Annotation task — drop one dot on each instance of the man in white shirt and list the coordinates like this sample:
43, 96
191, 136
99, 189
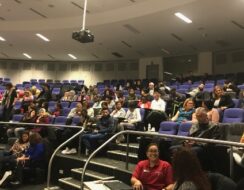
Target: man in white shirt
118, 112
157, 114
132, 117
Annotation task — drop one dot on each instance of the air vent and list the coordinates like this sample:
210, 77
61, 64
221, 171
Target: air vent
134, 66
131, 29
78, 6
176, 37
50, 56
27, 66
63, 67
74, 67
14, 66
51, 5
1, 18
18, 1
86, 66
116, 54
3, 66
126, 44
140, 53
238, 57
51, 67
109, 67
122, 66
39, 66
4, 54
94, 55
237, 24
98, 67
38, 13
221, 59
222, 43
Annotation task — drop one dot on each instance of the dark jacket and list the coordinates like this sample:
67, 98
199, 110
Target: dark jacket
226, 101
105, 125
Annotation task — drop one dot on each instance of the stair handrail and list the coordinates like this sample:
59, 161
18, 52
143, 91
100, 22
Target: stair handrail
57, 149
154, 134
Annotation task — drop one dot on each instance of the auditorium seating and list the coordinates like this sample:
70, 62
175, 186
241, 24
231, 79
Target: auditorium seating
233, 115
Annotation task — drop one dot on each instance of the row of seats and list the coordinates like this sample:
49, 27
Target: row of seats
60, 120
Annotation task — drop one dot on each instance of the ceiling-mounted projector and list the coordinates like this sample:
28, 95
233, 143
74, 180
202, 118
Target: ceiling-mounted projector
83, 36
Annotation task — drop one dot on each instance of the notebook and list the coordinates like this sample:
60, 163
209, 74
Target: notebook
117, 185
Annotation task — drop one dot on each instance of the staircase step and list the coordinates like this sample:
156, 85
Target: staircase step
90, 175
133, 147
69, 183
53, 188
121, 155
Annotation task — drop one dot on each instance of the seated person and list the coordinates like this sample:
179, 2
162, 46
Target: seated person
118, 112
43, 118
213, 114
104, 126
32, 158
144, 103
185, 113
157, 113
69, 132
238, 153
189, 177
132, 117
202, 129
153, 173
8, 158
131, 96
222, 101
75, 111
27, 99
57, 111
195, 91
110, 102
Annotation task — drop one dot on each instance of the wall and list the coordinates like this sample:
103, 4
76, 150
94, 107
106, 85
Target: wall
228, 61
143, 62
91, 72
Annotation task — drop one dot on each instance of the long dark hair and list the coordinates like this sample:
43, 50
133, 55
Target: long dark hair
21, 139
186, 167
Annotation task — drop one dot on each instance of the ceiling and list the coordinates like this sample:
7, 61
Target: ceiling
132, 28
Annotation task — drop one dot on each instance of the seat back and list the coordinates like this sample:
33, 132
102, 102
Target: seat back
184, 128
168, 127
60, 120
17, 117
233, 115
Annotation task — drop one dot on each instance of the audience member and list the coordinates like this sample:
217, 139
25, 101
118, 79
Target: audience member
188, 174
221, 100
118, 112
157, 113
104, 126
185, 113
8, 101
132, 117
153, 173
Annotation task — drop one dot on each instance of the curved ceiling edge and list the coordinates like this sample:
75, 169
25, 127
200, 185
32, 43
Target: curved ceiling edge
125, 13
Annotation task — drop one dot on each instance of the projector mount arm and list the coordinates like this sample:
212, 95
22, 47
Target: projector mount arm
84, 16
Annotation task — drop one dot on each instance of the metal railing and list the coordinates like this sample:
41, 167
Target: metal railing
55, 152
59, 147
153, 134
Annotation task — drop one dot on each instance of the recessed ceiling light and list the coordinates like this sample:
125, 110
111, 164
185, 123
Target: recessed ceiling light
2, 39
72, 56
27, 55
165, 51
183, 17
42, 37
